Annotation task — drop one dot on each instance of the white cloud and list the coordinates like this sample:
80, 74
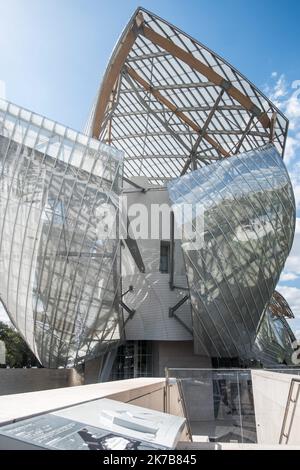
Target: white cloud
292, 104
292, 296
288, 276
292, 145
279, 89
292, 265
294, 172
286, 96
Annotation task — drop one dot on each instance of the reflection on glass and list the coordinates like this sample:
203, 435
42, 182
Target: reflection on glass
59, 265
249, 222
219, 403
274, 340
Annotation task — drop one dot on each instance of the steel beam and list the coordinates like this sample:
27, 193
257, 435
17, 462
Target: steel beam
245, 133
192, 156
148, 87
206, 71
172, 246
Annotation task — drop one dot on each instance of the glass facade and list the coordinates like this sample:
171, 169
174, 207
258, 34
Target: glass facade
133, 359
59, 259
249, 221
274, 340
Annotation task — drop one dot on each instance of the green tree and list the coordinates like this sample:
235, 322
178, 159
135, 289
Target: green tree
18, 353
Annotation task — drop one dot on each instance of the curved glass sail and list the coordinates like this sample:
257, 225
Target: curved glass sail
274, 341
238, 246
59, 258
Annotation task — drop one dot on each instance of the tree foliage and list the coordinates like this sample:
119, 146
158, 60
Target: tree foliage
18, 353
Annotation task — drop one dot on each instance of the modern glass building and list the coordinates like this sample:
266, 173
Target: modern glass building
249, 223
172, 124
274, 339
173, 105
60, 272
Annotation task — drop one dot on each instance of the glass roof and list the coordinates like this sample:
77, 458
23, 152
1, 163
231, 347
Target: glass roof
173, 105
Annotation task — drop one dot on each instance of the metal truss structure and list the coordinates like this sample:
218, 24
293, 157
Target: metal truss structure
173, 105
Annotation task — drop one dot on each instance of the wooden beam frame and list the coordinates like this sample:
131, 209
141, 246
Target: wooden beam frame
138, 27
147, 86
207, 71
113, 72
272, 126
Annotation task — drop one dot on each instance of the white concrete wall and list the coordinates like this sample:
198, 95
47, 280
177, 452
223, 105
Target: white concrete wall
270, 391
152, 297
148, 392
145, 392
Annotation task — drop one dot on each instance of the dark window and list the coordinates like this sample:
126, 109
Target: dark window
164, 257
133, 359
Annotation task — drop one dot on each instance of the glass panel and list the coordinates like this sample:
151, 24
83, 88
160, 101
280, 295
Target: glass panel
249, 222
219, 403
274, 340
133, 359
59, 262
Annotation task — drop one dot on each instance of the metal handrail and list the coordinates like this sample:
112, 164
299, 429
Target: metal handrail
285, 434
184, 408
181, 400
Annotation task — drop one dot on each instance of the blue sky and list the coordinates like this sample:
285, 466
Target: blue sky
53, 53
